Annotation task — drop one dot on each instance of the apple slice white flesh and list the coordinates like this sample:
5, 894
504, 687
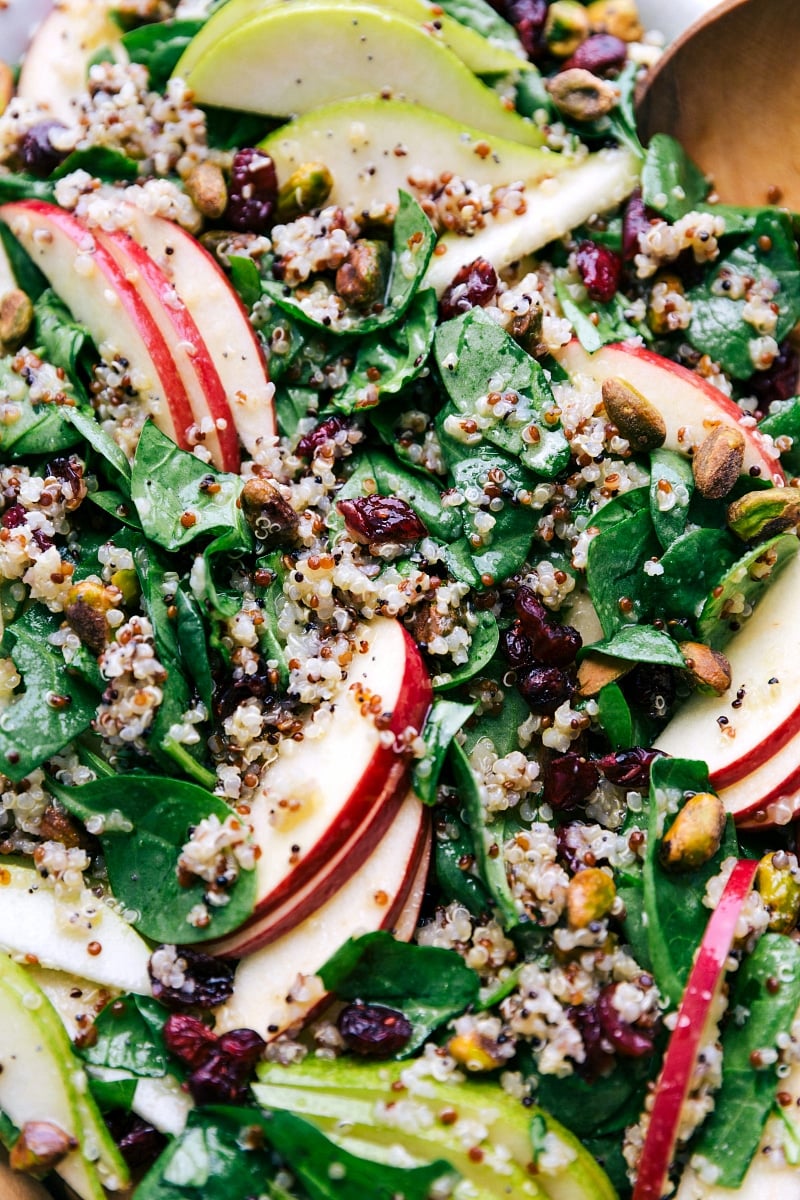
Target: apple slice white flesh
213, 420
556, 206
754, 737
320, 790
56, 63
338, 52
277, 988
689, 405
220, 317
99, 296
34, 924
372, 146
474, 50
693, 1028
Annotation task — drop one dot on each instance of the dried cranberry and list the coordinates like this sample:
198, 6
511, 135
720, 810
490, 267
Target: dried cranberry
230, 694
374, 1030
252, 191
472, 287
374, 520
221, 1079
634, 221
629, 1040
653, 688
599, 1052
600, 268
628, 768
568, 780
245, 1045
207, 982
188, 1039
554, 644
545, 689
43, 540
570, 845
13, 517
517, 646
139, 1143
324, 432
600, 53
778, 382
528, 18
39, 155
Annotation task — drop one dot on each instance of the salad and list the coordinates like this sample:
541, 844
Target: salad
399, 717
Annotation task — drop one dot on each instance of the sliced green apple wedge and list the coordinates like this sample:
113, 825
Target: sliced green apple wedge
352, 1100
371, 146
558, 205
338, 52
475, 51
34, 924
41, 1080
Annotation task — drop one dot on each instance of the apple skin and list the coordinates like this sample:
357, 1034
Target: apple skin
220, 317
189, 351
319, 792
690, 406
92, 285
385, 892
705, 979
752, 751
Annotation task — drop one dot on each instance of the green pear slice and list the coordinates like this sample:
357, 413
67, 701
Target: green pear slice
295, 58
475, 51
37, 1081
33, 922
371, 146
594, 185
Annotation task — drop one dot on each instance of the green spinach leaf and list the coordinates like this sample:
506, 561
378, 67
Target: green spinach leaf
618, 585
129, 1038
671, 489
159, 46
488, 836
389, 360
485, 639
443, 723
672, 185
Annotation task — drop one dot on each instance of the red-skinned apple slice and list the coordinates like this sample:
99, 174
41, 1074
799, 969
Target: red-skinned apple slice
277, 988
694, 1026
320, 790
753, 749
56, 62
94, 288
195, 365
220, 317
689, 405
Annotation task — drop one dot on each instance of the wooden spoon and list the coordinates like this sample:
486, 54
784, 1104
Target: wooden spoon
729, 90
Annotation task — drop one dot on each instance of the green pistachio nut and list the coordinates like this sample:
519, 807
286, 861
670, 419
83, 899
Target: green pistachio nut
765, 513
306, 188
361, 279
778, 881
637, 419
582, 96
566, 27
590, 897
695, 835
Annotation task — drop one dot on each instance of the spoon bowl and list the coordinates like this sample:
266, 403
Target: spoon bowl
729, 90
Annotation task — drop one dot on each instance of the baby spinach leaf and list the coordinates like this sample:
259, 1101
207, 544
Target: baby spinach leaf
245, 278
169, 488
475, 357
62, 338
783, 420
129, 1037
159, 46
769, 257
32, 727
413, 240
443, 723
641, 643
118, 468
485, 639
671, 488
620, 508
426, 983
38, 428
101, 162
614, 714
672, 185
21, 186
454, 862
673, 901
28, 276
691, 568
500, 724
730, 1135
618, 585
743, 586
596, 324
488, 836
389, 360
148, 819
193, 645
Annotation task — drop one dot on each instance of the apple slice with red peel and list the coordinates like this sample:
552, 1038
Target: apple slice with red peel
220, 317
277, 988
750, 736
100, 296
213, 419
56, 63
694, 1026
690, 406
319, 791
